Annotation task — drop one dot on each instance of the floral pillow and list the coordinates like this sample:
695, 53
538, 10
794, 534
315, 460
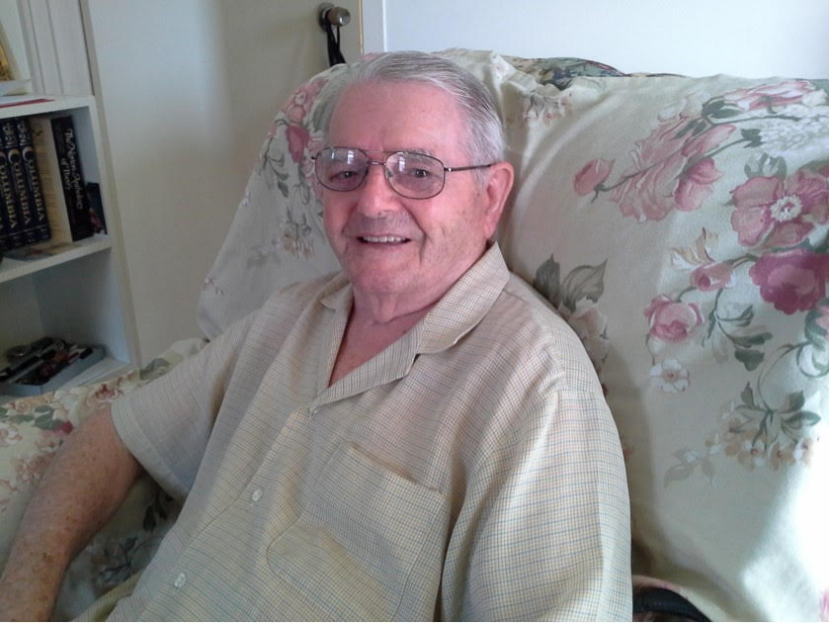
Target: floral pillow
680, 225
560, 71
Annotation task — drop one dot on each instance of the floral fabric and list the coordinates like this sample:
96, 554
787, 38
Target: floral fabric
31, 430
680, 225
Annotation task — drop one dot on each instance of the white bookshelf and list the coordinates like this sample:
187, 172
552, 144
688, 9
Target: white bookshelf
13, 269
78, 294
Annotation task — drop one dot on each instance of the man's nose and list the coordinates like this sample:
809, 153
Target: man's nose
376, 196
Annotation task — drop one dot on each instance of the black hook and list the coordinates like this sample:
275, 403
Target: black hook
330, 17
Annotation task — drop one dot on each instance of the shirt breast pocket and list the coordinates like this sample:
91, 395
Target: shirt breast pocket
355, 545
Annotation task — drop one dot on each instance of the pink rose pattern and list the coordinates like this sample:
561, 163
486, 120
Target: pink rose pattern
779, 212
769, 96
792, 281
778, 217
592, 176
294, 133
671, 321
713, 277
671, 171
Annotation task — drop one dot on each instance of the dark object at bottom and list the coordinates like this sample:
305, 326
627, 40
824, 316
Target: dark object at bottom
660, 604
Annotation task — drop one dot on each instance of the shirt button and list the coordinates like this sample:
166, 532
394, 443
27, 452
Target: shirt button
256, 496
180, 580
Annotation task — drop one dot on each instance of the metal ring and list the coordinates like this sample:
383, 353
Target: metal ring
334, 15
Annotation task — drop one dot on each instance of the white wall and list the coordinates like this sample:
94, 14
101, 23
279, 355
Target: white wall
750, 38
187, 91
12, 32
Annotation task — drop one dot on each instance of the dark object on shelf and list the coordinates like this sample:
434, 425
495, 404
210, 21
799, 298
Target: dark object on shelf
660, 604
40, 222
96, 208
45, 365
72, 177
12, 237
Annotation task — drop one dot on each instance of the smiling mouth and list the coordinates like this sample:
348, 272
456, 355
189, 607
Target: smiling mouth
383, 239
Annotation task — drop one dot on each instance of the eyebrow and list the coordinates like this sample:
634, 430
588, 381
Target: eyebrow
420, 150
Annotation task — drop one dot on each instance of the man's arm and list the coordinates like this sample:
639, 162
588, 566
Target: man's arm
548, 535
85, 483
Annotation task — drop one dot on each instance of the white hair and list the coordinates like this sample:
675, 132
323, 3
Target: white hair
485, 133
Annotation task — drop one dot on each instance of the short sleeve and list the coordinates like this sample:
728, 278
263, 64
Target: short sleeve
546, 529
167, 423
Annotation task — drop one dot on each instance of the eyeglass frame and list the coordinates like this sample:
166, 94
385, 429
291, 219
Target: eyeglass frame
388, 173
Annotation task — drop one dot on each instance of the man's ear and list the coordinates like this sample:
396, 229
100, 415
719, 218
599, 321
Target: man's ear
499, 183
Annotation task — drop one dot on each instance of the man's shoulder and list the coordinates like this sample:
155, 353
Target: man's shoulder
523, 309
522, 327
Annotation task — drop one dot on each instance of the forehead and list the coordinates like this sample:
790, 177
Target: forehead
388, 116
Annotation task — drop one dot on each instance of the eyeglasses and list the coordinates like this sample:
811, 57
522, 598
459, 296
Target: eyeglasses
410, 174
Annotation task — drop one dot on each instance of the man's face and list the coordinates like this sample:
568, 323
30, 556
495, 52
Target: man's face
389, 244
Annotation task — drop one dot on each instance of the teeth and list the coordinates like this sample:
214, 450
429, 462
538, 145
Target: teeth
383, 239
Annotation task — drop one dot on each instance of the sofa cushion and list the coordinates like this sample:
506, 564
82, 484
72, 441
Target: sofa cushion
680, 225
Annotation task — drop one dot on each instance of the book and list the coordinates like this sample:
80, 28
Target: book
9, 238
96, 208
72, 177
50, 180
23, 199
8, 201
35, 191
4, 236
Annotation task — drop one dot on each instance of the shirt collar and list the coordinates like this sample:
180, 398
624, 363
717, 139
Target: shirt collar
338, 292
456, 314
458, 311
466, 303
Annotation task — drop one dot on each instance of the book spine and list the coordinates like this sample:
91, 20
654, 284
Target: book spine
25, 212
96, 208
8, 199
72, 177
33, 185
50, 180
4, 227
4, 245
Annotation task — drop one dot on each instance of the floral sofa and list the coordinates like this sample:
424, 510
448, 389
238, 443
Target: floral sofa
680, 226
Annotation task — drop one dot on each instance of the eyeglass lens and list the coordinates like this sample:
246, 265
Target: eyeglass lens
412, 175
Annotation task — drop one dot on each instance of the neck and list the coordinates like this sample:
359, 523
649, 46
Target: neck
380, 310
369, 331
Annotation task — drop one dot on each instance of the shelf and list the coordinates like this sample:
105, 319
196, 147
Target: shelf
75, 291
13, 269
104, 369
55, 103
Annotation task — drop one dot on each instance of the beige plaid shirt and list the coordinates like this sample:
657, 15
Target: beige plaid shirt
470, 471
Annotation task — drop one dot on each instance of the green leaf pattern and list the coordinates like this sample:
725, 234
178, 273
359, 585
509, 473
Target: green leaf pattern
776, 216
286, 166
576, 297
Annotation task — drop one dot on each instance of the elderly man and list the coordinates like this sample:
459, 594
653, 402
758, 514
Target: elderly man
417, 437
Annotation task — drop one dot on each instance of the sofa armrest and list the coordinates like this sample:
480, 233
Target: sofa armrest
31, 431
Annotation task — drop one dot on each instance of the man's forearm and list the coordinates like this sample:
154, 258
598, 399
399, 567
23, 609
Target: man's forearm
85, 483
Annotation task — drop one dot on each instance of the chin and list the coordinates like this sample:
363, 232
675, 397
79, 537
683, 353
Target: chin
379, 284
